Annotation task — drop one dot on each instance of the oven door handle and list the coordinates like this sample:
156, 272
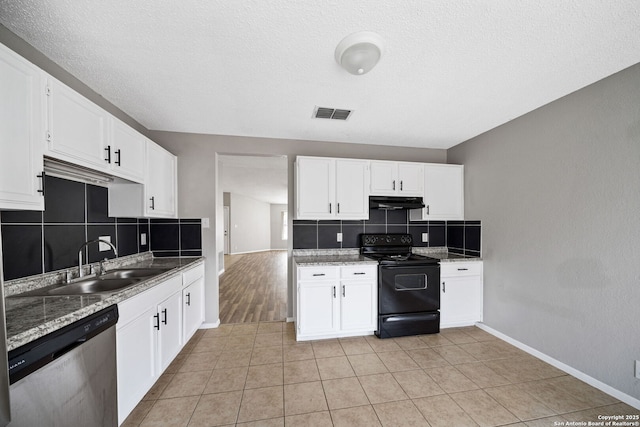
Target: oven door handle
405, 289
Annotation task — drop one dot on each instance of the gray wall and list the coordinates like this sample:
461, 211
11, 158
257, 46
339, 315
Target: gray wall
558, 194
250, 226
199, 197
276, 227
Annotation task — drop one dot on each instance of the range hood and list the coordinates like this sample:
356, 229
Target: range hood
61, 169
394, 203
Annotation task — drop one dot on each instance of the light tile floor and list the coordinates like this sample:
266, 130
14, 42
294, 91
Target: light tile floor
256, 374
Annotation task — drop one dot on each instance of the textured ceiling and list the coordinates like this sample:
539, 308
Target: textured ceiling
262, 178
451, 69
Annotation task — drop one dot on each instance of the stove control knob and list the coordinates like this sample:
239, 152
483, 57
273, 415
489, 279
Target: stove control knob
388, 239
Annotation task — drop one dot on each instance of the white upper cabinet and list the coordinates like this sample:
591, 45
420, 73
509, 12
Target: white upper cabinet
160, 188
328, 188
76, 127
315, 188
125, 151
352, 184
21, 133
443, 193
396, 178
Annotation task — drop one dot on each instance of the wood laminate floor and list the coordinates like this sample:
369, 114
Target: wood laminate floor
253, 287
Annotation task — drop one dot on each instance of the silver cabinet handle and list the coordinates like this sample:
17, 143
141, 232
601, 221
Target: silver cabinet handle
343, 291
108, 150
394, 185
359, 273
400, 185
189, 299
153, 203
444, 289
318, 274
329, 207
427, 209
338, 208
334, 291
157, 325
118, 157
463, 269
164, 312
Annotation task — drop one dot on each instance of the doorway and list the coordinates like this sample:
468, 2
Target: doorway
253, 285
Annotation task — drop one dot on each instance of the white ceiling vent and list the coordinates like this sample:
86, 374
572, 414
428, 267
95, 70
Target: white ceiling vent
331, 113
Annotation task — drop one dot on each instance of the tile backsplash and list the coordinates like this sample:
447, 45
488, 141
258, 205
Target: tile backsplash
461, 237
36, 242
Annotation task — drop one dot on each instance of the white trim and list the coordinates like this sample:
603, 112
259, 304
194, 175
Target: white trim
623, 397
210, 325
291, 319
252, 252
220, 272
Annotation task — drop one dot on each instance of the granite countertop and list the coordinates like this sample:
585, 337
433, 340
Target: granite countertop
330, 257
352, 256
29, 318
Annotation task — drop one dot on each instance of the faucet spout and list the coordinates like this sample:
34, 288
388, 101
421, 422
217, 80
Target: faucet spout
84, 245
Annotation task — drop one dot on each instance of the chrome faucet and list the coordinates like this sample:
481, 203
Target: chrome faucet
80, 272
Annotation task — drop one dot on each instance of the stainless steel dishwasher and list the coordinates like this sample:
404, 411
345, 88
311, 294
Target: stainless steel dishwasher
68, 377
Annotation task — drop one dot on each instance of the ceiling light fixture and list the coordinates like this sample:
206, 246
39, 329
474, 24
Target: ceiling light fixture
359, 52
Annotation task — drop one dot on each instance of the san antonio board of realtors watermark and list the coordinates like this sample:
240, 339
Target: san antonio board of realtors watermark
604, 421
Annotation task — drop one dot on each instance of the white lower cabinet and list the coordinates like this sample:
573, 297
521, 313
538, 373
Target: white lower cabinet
192, 301
335, 301
151, 332
461, 291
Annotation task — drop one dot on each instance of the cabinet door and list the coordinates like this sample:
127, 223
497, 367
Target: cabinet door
358, 305
135, 353
460, 301
170, 333
315, 188
193, 308
443, 192
384, 176
352, 189
76, 127
317, 307
160, 182
410, 179
21, 133
127, 151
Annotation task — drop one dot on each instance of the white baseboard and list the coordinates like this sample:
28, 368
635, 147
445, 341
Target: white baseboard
220, 272
291, 319
623, 397
210, 325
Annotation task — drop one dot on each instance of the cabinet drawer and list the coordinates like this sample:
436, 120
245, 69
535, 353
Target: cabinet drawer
358, 272
321, 272
458, 269
192, 275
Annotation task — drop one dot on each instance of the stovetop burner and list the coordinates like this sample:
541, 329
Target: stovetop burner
392, 249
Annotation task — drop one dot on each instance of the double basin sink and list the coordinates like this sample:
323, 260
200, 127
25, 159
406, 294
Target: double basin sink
110, 282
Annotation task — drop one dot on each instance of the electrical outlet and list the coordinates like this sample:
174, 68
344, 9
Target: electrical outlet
425, 237
638, 369
143, 239
103, 247
205, 222
339, 237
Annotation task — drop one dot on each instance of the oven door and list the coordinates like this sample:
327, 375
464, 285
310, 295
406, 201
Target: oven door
408, 288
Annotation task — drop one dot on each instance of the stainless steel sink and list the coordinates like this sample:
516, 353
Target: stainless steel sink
108, 283
125, 273
92, 285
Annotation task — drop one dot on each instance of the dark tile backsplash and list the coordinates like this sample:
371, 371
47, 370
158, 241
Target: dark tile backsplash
39, 242
460, 236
